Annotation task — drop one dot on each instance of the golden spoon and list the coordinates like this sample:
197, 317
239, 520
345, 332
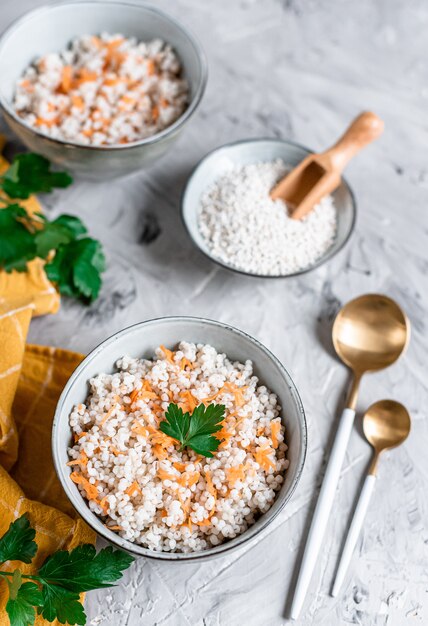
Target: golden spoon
369, 334
386, 424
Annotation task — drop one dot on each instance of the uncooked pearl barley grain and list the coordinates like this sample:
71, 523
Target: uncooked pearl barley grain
141, 491
244, 228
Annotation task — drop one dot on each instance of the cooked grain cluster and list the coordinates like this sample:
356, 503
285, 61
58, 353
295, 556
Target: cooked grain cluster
136, 478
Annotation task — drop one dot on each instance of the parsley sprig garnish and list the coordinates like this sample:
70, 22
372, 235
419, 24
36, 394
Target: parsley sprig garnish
74, 261
54, 590
195, 431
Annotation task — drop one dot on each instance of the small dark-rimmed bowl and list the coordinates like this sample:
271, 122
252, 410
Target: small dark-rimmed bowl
141, 341
50, 28
249, 151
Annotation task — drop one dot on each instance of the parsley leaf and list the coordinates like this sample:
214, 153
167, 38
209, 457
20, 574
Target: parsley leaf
60, 580
31, 173
17, 245
195, 431
22, 598
63, 229
83, 569
18, 544
76, 268
63, 605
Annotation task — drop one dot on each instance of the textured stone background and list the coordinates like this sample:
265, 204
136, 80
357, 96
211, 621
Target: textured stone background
299, 70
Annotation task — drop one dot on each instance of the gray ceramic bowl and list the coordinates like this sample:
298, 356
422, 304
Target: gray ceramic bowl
140, 341
252, 151
51, 28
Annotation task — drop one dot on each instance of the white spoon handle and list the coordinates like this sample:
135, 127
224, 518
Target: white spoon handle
354, 532
322, 511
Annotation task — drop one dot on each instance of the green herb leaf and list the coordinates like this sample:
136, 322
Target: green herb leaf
17, 245
195, 431
63, 229
23, 597
83, 569
61, 604
176, 424
18, 544
76, 268
31, 173
73, 224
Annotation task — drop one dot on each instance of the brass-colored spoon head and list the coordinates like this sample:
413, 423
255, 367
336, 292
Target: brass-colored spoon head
386, 424
370, 333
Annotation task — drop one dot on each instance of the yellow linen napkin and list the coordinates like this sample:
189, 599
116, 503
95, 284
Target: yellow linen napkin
31, 380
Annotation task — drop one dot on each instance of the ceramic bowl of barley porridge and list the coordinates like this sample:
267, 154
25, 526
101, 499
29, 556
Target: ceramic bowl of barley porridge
103, 89
149, 483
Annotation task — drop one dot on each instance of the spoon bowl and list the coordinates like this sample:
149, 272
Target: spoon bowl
370, 333
386, 424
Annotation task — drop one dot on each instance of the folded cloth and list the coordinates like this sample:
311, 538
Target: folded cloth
31, 380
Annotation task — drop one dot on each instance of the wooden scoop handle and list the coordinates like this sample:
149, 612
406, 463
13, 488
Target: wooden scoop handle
363, 130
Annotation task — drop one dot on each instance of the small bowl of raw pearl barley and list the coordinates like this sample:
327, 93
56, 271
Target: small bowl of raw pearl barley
179, 439
230, 217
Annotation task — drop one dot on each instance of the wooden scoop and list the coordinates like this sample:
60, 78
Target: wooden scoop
320, 174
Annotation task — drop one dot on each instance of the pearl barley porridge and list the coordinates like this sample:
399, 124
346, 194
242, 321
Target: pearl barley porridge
143, 484
103, 90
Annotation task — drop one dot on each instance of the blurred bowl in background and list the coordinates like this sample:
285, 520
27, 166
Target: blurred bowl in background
50, 29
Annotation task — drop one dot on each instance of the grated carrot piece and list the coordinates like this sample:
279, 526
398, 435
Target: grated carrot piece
234, 474
135, 487
134, 395
90, 489
204, 522
275, 428
210, 487
139, 429
189, 400
155, 113
66, 78
187, 479
262, 455
41, 121
77, 101
104, 505
158, 437
82, 460
163, 475
151, 67
179, 466
223, 435
109, 82
78, 436
169, 354
160, 453
84, 76
107, 415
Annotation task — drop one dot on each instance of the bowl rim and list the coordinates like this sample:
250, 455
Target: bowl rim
169, 130
81, 506
326, 257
